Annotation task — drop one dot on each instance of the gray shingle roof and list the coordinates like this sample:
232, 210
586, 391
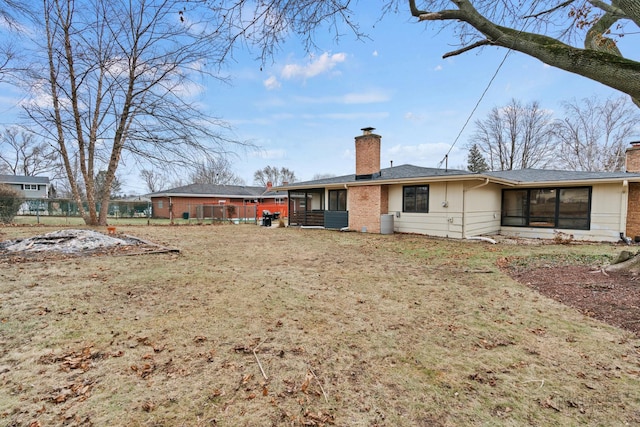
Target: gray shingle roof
216, 190
394, 173
516, 176
20, 179
542, 175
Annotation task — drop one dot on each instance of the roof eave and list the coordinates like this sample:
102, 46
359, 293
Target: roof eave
225, 196
576, 182
393, 181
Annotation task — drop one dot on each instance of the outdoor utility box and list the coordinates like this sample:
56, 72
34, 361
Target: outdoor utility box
185, 215
386, 224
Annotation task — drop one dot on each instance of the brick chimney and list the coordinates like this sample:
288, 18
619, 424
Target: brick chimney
632, 161
368, 154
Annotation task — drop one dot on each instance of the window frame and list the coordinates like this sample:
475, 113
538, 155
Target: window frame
536, 215
416, 202
338, 205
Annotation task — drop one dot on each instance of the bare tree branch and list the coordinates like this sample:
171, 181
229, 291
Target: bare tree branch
548, 11
466, 48
122, 79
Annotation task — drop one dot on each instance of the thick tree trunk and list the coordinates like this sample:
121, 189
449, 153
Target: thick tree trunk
627, 261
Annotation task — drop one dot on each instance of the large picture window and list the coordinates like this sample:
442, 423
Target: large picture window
337, 200
415, 198
566, 208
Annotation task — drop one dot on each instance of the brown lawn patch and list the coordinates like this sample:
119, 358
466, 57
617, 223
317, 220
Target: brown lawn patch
251, 326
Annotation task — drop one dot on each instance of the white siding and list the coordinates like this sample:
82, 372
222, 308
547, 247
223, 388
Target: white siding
444, 218
608, 218
482, 205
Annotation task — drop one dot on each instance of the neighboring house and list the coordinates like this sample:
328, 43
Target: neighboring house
219, 201
32, 187
595, 206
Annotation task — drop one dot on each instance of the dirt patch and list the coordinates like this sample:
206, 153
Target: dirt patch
73, 243
610, 297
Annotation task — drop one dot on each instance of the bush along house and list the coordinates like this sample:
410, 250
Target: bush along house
531, 203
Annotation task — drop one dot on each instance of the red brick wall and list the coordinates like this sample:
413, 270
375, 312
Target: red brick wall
188, 204
366, 204
367, 154
633, 206
633, 158
633, 210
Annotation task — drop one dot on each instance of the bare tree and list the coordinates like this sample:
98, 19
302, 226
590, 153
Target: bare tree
576, 36
273, 175
23, 153
154, 180
12, 61
594, 134
117, 79
100, 186
215, 171
515, 137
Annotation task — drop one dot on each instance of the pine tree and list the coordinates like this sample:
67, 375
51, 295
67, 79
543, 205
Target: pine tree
476, 161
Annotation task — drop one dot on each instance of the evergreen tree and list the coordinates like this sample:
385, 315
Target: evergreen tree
476, 161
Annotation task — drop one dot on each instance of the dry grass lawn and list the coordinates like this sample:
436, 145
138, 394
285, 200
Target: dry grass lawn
249, 326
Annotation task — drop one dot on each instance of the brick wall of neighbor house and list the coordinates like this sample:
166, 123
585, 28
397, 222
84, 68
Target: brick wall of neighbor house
367, 152
632, 164
187, 204
366, 203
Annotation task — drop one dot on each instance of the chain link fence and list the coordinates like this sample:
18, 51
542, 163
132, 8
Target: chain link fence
139, 211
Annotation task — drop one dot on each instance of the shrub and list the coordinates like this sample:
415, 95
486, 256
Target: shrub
10, 201
562, 238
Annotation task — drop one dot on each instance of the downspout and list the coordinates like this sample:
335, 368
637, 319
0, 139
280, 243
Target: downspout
346, 187
624, 206
170, 211
464, 216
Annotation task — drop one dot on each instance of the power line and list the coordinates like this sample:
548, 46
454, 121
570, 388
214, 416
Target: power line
509, 50
486, 89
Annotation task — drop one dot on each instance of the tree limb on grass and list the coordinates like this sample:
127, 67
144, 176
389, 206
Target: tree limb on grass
258, 360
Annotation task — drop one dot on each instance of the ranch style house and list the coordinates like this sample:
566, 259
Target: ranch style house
218, 201
531, 203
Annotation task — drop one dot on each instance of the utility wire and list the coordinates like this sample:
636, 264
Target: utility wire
495, 74
486, 89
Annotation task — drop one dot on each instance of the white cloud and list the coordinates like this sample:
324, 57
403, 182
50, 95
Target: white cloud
427, 154
412, 117
317, 66
349, 154
272, 83
438, 68
269, 154
370, 97
375, 53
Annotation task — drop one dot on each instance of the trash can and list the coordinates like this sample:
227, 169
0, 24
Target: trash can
185, 215
386, 224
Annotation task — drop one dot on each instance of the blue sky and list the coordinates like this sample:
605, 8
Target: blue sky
302, 111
